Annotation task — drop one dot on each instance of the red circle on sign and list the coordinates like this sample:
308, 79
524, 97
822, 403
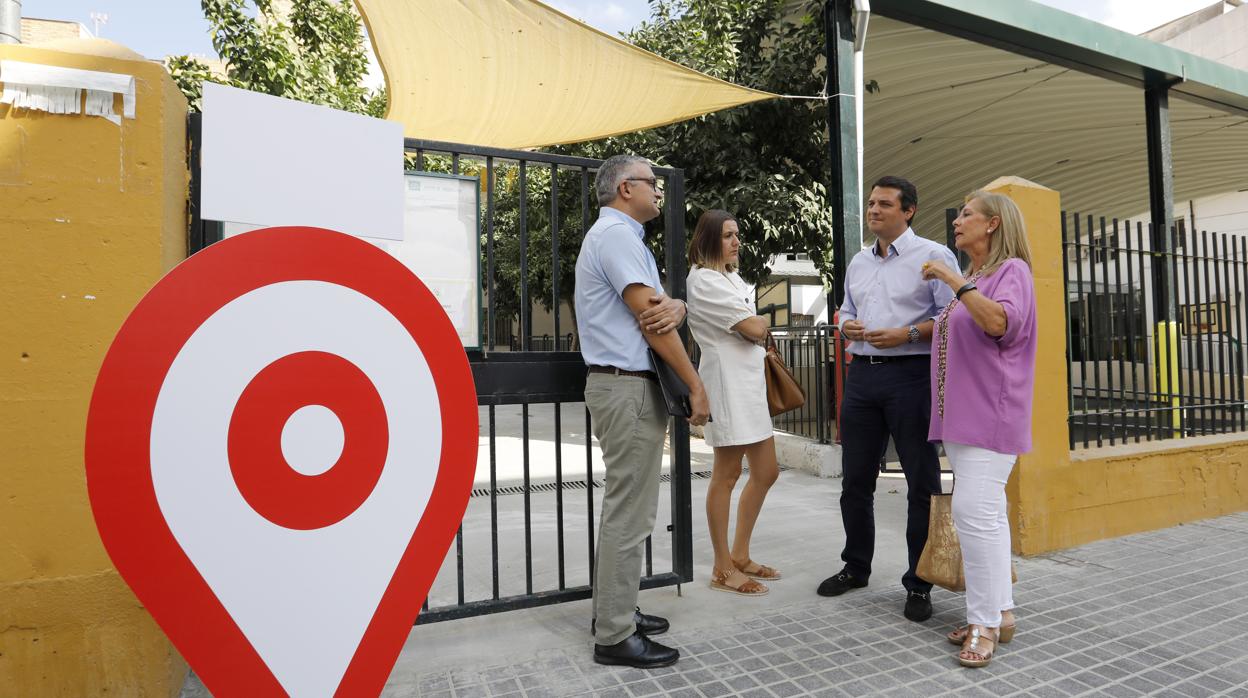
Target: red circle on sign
274, 489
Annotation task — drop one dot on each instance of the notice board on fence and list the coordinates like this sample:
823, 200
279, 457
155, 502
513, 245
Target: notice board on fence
442, 246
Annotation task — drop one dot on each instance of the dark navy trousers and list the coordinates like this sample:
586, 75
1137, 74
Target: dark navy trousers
883, 399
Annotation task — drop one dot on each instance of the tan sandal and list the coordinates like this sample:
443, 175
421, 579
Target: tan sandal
1005, 633
719, 582
763, 572
980, 644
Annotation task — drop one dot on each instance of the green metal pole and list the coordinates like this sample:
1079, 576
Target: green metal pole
844, 192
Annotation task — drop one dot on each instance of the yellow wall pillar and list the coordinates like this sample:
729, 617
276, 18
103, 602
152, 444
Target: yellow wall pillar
1028, 489
91, 215
1059, 498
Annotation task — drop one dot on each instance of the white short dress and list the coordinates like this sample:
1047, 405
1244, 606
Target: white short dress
731, 366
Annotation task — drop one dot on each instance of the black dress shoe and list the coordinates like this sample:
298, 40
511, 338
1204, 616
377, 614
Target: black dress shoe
839, 583
648, 625
918, 606
638, 651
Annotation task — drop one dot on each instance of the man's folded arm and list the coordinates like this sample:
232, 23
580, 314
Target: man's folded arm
668, 345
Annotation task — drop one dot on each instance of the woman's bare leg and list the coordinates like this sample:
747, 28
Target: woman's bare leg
724, 475
763, 473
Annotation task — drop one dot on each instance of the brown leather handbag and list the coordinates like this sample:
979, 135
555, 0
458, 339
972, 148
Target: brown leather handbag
784, 394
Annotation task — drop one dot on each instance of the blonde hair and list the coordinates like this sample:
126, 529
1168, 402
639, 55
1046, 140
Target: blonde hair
1010, 238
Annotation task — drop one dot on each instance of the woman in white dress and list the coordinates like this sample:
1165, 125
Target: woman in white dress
730, 335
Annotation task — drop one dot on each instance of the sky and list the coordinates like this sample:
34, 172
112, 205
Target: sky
158, 28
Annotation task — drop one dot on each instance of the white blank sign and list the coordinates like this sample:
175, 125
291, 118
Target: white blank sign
271, 161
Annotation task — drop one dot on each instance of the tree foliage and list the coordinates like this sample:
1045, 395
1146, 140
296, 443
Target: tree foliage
765, 162
312, 52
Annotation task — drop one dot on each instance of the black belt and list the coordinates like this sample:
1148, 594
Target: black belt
621, 372
871, 359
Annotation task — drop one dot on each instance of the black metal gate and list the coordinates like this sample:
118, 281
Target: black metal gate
518, 373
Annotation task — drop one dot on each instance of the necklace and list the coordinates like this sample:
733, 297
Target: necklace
942, 348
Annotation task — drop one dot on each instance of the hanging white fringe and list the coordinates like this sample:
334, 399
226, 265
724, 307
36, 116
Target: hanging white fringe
100, 103
54, 100
58, 90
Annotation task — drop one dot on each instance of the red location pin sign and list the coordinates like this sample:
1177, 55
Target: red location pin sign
279, 450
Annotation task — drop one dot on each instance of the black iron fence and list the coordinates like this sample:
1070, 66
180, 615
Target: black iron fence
545, 342
536, 208
811, 355
1155, 337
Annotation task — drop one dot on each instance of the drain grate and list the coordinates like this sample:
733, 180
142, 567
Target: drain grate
580, 484
543, 487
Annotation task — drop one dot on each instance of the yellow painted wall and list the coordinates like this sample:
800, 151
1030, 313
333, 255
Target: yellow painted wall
1059, 498
1117, 490
91, 215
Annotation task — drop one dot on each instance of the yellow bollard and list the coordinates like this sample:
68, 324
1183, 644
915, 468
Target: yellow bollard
1166, 344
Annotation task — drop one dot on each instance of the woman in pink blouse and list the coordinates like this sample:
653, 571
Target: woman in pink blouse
982, 377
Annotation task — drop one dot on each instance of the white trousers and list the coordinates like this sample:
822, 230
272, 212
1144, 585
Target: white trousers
979, 515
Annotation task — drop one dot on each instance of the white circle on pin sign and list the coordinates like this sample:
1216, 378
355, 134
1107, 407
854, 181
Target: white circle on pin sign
312, 440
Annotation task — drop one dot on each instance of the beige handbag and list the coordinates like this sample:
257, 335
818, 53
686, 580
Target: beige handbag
784, 394
941, 561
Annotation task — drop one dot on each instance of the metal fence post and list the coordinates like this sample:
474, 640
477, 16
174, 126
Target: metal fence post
682, 513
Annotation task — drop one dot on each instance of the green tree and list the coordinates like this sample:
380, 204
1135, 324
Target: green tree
312, 52
766, 162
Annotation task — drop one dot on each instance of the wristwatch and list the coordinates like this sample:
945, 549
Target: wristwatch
912, 335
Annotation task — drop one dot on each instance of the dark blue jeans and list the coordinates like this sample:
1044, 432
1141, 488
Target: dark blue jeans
892, 398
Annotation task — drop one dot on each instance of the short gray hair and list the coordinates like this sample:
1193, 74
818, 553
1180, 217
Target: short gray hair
611, 173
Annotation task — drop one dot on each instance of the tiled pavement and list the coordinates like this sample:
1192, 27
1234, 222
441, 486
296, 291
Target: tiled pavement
1158, 613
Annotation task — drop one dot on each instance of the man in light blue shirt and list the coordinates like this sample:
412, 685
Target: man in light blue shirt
889, 309
618, 293
888, 314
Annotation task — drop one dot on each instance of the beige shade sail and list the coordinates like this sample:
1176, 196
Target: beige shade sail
518, 74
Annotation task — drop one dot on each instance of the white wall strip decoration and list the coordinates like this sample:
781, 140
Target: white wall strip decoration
58, 90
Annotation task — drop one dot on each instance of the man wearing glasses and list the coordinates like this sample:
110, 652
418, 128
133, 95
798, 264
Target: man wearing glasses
620, 313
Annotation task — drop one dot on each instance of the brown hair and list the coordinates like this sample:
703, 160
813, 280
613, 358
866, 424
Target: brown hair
909, 194
707, 247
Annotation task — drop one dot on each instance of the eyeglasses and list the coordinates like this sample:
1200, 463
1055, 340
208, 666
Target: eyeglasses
652, 181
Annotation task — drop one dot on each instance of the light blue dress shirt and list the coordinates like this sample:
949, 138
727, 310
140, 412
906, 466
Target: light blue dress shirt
613, 256
884, 292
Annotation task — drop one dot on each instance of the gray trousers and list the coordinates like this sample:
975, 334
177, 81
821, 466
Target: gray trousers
629, 421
